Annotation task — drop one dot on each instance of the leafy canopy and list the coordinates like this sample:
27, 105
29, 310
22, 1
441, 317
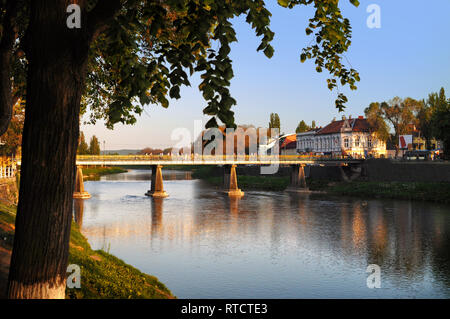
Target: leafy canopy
302, 127
274, 121
152, 47
440, 120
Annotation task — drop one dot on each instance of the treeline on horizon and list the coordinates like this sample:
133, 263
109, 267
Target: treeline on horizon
92, 149
388, 120
429, 116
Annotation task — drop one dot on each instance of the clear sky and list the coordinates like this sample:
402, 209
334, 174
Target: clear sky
408, 56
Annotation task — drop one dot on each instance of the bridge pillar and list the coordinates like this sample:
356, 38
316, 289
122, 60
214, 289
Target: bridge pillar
298, 178
156, 186
79, 192
233, 190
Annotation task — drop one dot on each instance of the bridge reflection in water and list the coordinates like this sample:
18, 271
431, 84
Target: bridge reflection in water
201, 243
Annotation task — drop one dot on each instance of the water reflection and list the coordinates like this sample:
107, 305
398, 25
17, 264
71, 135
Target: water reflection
202, 244
157, 215
146, 175
78, 207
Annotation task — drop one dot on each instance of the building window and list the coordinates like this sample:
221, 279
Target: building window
346, 142
357, 141
369, 142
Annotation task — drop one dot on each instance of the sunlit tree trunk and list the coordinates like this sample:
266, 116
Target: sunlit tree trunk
57, 69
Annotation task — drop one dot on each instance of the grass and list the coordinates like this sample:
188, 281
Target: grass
269, 183
103, 276
94, 173
433, 192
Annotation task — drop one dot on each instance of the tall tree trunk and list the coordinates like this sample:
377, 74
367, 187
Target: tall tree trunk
57, 68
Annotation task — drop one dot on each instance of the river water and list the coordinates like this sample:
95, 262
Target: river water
201, 244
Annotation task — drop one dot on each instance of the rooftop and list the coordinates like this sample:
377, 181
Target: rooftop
359, 124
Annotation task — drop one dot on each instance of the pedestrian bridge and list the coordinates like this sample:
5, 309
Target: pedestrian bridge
150, 160
229, 163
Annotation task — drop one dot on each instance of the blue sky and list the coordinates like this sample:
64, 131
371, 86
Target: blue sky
408, 56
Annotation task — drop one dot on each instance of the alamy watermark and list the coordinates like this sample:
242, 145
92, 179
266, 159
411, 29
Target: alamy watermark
374, 19
74, 279
228, 144
74, 19
374, 279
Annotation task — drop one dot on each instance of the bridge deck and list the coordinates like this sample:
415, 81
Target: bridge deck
148, 160
210, 160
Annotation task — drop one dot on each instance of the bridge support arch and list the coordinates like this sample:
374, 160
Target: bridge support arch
79, 192
298, 178
156, 186
230, 181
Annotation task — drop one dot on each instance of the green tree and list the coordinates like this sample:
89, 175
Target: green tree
440, 120
275, 121
399, 113
313, 124
302, 127
94, 146
126, 54
378, 125
424, 115
83, 148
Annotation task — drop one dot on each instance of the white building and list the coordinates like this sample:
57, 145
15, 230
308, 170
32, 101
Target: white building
346, 137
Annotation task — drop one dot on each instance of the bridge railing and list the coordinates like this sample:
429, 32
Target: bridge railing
206, 158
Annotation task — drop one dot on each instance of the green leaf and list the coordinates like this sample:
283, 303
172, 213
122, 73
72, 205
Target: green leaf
303, 57
269, 51
175, 92
211, 123
284, 3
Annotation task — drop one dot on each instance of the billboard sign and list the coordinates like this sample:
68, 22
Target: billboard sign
404, 141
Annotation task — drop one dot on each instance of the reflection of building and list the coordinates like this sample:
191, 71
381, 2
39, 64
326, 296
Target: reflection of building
346, 137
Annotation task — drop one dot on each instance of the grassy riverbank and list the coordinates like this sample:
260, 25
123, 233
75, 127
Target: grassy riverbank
433, 192
94, 173
261, 182
103, 276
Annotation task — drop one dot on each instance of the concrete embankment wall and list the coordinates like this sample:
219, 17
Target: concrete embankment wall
253, 170
375, 170
393, 171
384, 170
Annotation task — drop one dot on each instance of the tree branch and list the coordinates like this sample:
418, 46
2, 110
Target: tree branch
102, 14
6, 49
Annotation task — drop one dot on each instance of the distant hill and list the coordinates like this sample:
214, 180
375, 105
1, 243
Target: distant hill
122, 152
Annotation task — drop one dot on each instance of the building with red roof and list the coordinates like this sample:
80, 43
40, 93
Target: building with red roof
348, 137
288, 144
